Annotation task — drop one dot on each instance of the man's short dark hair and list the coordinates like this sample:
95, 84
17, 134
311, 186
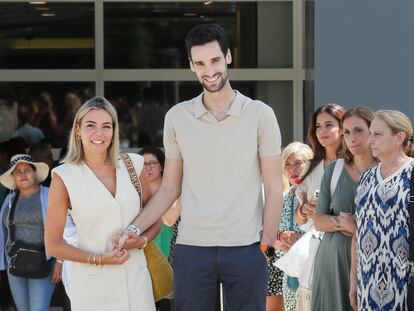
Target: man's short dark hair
206, 33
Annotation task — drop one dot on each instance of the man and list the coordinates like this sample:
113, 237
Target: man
219, 147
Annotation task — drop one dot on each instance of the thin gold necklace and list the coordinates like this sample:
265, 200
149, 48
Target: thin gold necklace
367, 167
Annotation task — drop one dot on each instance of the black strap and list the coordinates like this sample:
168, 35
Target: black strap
411, 211
10, 223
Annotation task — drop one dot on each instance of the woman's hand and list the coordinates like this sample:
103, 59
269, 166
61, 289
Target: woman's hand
353, 294
134, 241
288, 238
308, 208
56, 272
116, 257
128, 240
347, 223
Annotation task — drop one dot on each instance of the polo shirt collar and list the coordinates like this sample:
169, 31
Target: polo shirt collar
234, 110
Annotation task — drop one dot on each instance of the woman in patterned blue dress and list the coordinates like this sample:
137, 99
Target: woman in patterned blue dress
382, 216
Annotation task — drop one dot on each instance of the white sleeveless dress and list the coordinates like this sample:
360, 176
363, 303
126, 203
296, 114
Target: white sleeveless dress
98, 216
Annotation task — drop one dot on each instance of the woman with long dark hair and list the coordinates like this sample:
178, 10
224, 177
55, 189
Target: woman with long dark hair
324, 136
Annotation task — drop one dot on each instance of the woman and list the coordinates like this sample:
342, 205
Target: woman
26, 209
154, 160
324, 136
382, 216
332, 265
94, 186
294, 158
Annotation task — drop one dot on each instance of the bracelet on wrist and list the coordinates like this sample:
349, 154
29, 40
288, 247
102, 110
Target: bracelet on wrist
89, 259
145, 241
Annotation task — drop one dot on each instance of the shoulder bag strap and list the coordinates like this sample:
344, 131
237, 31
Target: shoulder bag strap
133, 176
339, 165
411, 223
10, 220
292, 210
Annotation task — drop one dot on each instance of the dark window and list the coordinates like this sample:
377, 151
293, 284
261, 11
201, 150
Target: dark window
52, 35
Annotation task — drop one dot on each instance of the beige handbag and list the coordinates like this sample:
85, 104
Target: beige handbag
158, 266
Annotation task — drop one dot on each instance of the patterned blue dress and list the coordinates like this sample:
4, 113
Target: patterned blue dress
382, 239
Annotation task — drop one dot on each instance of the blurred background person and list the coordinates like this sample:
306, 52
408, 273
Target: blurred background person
42, 152
154, 160
71, 104
26, 130
150, 117
46, 118
29, 205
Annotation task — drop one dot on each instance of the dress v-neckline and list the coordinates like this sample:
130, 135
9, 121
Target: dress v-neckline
102, 184
402, 167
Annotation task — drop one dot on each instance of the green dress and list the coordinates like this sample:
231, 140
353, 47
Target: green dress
163, 239
330, 286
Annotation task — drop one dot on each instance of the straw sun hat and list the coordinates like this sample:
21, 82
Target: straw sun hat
42, 169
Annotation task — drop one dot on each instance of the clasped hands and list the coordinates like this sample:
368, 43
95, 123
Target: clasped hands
344, 223
122, 242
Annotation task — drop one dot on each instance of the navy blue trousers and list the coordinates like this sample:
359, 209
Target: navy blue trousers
198, 271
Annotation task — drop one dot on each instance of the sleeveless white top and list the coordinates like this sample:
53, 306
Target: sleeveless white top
98, 217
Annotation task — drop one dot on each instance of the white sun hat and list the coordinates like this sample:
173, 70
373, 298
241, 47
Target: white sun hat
42, 169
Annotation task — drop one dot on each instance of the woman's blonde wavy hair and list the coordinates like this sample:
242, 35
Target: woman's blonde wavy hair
75, 152
297, 149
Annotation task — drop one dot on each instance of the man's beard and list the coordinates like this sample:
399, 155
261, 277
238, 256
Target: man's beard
216, 88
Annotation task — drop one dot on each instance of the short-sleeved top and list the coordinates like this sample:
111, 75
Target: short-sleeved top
221, 187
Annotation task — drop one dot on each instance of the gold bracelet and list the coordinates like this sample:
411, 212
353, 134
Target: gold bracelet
100, 260
89, 259
145, 241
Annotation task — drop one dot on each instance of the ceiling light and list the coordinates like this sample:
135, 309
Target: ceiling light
208, 2
42, 8
37, 2
48, 14
190, 14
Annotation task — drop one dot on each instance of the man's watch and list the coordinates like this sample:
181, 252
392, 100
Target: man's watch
269, 251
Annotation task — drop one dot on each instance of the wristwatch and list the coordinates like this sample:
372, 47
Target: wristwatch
269, 251
134, 229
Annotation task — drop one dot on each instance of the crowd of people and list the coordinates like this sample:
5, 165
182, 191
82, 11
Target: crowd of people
223, 185
39, 118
